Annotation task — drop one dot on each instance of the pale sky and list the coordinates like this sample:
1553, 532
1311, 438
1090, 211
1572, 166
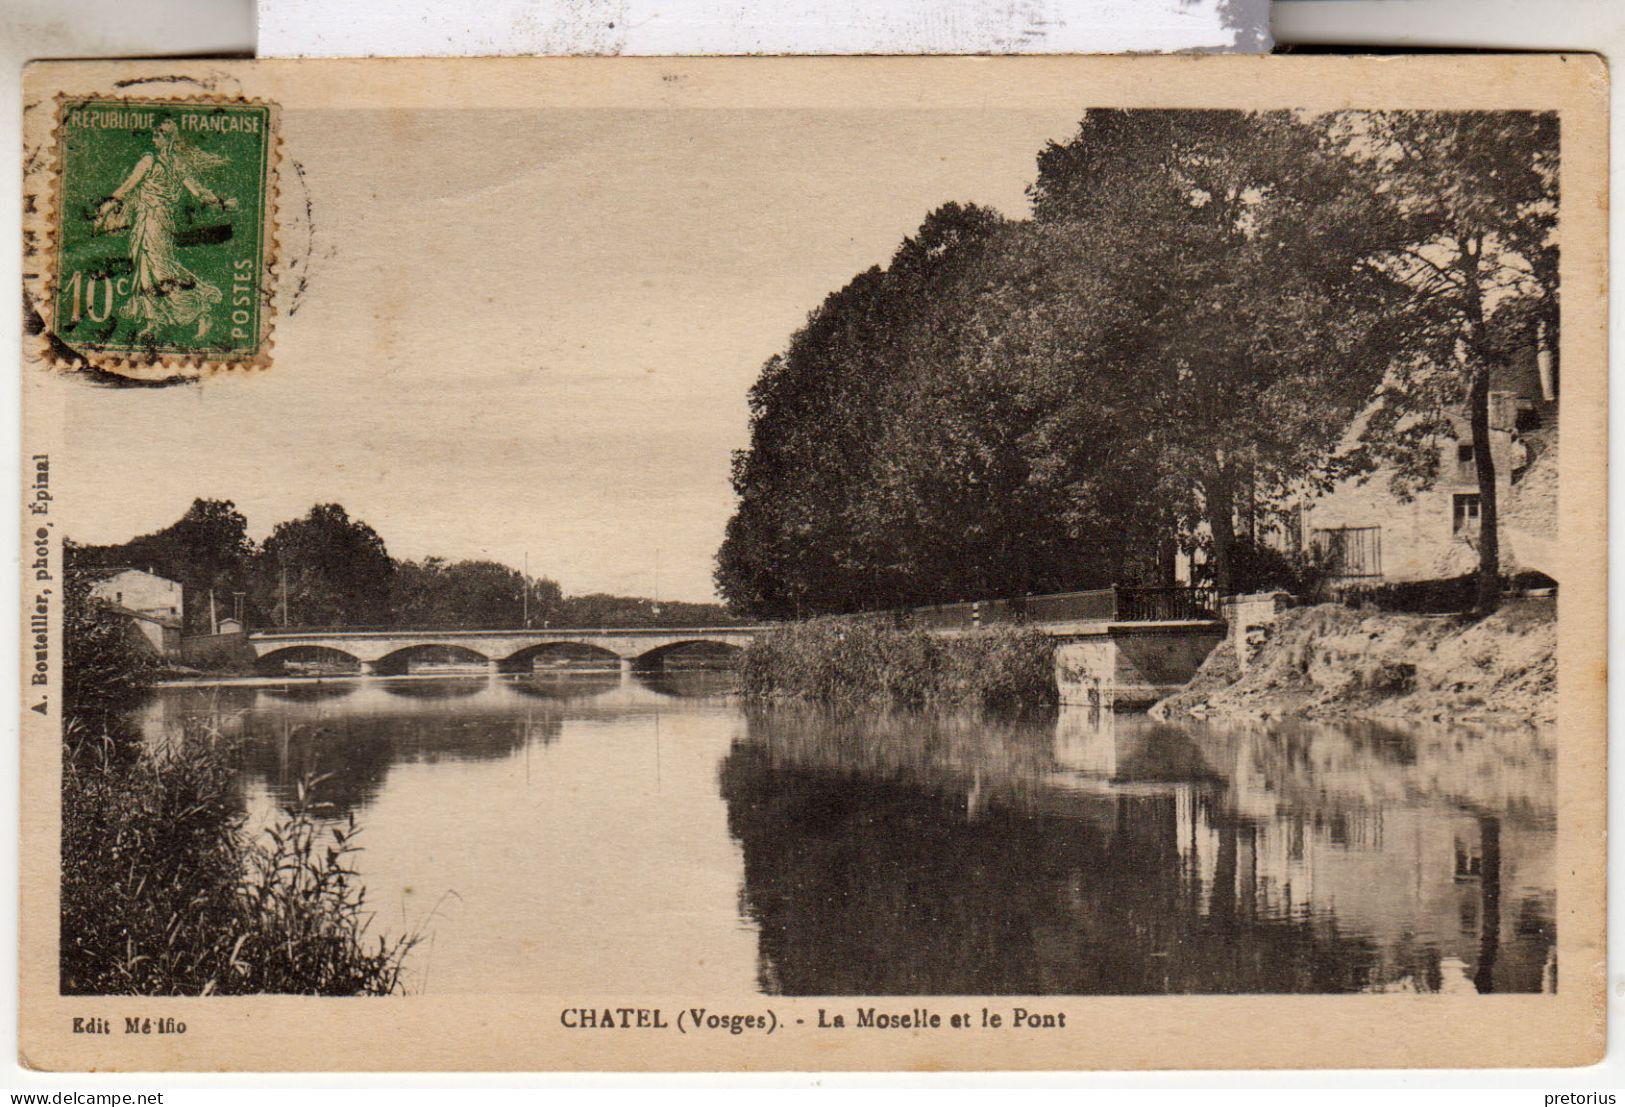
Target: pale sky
534, 330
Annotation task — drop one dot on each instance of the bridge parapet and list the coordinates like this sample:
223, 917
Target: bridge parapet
503, 647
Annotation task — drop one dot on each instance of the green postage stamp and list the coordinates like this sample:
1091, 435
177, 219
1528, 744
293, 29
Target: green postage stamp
164, 236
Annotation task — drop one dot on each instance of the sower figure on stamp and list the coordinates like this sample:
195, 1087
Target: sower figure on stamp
163, 291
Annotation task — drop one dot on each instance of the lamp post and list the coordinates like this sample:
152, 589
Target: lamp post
655, 607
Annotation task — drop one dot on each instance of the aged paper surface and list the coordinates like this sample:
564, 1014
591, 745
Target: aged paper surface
518, 307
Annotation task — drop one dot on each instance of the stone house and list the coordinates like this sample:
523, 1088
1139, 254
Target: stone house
152, 605
139, 590
1368, 534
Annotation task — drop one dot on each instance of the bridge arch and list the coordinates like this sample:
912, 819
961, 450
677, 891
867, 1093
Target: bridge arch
276, 662
582, 653
725, 652
399, 661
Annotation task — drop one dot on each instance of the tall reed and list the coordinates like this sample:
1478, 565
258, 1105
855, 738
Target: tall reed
837, 660
165, 892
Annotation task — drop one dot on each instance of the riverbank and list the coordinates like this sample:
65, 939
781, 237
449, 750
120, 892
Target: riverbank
849, 661
1334, 660
164, 890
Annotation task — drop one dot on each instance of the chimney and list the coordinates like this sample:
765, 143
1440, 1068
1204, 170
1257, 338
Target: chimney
1543, 362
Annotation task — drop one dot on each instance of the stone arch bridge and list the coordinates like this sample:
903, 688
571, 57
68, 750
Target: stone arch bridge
391, 651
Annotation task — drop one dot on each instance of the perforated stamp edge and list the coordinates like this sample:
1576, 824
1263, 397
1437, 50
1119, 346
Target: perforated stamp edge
41, 245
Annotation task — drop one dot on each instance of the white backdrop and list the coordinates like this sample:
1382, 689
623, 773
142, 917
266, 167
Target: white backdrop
316, 28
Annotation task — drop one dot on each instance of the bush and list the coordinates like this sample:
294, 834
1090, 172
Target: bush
1259, 567
105, 666
164, 893
1448, 596
836, 660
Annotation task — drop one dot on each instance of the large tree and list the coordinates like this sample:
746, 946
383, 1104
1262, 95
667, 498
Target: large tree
1013, 461
941, 429
1473, 198
437, 593
1243, 247
1023, 407
324, 569
816, 413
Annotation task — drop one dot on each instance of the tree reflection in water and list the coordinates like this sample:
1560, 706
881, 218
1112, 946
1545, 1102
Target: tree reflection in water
435, 688
911, 854
908, 853
313, 692
559, 686
354, 732
690, 684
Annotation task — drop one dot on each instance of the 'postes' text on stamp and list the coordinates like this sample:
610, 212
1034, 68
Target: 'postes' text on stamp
163, 232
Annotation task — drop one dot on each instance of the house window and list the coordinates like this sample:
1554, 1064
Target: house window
1349, 551
1469, 861
1466, 470
1465, 512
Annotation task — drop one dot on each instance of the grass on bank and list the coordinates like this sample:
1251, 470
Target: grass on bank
166, 893
835, 660
164, 889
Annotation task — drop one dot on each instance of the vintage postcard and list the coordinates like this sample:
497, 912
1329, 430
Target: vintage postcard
814, 564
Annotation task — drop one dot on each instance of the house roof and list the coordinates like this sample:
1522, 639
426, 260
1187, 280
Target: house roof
120, 609
107, 572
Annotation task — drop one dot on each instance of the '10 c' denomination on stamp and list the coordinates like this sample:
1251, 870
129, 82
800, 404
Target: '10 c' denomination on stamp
163, 234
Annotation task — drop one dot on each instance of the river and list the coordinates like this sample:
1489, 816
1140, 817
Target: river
577, 834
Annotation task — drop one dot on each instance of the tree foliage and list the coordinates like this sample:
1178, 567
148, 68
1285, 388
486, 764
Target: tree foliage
105, 667
1178, 339
324, 569
206, 548
437, 593
1245, 246
913, 442
1472, 202
600, 609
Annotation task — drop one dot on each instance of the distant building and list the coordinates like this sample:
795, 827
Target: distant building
152, 604
140, 591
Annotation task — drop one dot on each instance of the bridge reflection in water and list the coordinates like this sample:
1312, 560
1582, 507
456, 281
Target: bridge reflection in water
594, 834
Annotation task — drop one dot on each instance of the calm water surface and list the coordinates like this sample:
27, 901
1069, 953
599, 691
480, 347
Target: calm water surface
577, 834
